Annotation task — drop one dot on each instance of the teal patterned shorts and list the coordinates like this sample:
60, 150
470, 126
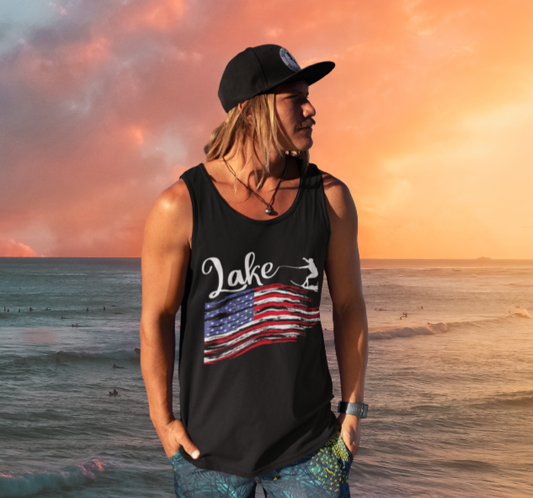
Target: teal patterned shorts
323, 474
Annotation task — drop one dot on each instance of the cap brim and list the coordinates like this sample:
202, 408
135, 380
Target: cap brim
310, 74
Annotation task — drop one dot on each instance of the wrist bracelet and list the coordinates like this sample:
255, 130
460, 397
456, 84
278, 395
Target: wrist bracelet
360, 410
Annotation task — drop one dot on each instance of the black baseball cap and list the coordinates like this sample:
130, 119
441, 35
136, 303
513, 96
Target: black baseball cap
260, 69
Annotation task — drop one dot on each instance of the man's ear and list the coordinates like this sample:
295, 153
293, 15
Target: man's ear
245, 113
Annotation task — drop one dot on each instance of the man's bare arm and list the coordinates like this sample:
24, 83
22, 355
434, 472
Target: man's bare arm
350, 325
165, 259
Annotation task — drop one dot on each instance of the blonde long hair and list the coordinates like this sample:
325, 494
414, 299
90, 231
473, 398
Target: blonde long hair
255, 123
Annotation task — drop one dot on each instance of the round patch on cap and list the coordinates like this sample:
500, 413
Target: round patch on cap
288, 59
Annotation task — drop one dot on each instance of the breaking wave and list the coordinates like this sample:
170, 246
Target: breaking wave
520, 399
519, 313
430, 329
442, 327
15, 362
31, 483
76, 357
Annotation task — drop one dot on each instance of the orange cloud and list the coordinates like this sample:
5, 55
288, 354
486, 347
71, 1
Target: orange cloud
160, 15
10, 248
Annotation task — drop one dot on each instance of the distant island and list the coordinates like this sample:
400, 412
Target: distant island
483, 257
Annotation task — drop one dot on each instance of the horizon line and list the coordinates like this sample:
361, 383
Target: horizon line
481, 258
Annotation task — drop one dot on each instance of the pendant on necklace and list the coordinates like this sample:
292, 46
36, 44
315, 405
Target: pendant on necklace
268, 210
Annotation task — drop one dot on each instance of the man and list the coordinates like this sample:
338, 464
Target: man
241, 243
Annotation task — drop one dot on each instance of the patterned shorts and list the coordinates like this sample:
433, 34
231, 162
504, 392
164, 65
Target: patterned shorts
323, 474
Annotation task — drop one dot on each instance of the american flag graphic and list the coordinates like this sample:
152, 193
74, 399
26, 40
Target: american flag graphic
255, 317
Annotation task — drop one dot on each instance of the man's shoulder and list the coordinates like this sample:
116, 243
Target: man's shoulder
174, 201
333, 187
169, 223
339, 201
177, 196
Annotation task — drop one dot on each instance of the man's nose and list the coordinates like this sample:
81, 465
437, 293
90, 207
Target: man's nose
309, 110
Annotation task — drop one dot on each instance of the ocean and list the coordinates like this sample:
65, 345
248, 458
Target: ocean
449, 380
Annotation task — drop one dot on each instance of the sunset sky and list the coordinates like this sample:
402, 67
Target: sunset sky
428, 116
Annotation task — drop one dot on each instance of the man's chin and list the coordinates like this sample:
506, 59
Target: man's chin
301, 145
307, 145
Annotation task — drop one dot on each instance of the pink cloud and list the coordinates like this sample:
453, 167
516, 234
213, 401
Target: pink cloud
10, 248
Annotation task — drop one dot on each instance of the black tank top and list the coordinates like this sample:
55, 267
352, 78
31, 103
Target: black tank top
255, 389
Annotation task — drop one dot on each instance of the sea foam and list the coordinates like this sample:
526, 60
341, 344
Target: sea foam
520, 313
31, 483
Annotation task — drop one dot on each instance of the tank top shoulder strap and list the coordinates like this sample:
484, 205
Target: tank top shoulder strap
314, 197
194, 178
197, 181
312, 178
